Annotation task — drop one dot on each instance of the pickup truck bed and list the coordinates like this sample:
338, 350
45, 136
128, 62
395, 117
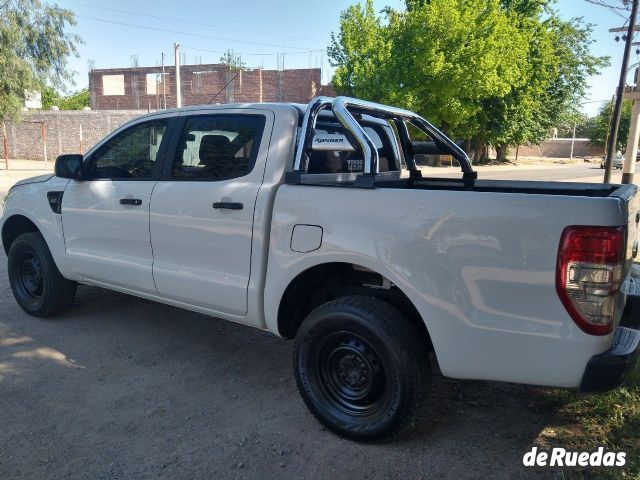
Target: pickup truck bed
481, 272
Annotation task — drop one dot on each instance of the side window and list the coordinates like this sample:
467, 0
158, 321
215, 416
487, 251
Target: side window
130, 154
217, 147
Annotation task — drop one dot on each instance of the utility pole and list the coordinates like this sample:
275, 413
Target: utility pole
573, 140
606, 134
629, 166
6, 146
164, 88
613, 136
176, 48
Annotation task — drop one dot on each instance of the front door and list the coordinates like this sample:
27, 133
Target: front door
202, 210
105, 216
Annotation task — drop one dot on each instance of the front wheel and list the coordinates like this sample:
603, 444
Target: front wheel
361, 367
36, 282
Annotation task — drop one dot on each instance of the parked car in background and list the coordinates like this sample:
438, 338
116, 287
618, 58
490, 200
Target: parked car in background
314, 223
618, 161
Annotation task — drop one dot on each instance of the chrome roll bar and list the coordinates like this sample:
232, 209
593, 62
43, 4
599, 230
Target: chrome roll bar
344, 109
307, 131
351, 125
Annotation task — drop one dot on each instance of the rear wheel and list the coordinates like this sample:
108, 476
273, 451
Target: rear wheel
361, 367
36, 282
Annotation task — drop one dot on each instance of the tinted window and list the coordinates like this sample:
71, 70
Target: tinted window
130, 154
218, 147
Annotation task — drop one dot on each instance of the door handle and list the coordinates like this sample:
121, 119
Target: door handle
130, 201
228, 205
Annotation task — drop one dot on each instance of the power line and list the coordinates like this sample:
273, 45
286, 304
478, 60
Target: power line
191, 22
201, 35
610, 7
256, 54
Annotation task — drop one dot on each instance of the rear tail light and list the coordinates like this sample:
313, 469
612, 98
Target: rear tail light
589, 275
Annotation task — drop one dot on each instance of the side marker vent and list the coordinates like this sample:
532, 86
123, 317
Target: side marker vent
55, 201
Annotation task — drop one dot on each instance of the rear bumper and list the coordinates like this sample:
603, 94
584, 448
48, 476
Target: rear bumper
631, 316
609, 370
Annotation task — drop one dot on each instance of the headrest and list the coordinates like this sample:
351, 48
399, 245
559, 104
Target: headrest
214, 146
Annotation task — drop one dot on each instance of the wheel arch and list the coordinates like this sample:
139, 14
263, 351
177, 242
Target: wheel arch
326, 281
13, 227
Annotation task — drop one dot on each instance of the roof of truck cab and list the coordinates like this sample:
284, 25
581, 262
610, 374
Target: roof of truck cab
299, 107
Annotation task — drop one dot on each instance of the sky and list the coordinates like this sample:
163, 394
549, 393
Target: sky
114, 32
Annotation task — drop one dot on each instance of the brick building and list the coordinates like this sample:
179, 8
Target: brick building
142, 87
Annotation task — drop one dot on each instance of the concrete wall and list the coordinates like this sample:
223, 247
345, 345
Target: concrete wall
77, 131
64, 132
560, 148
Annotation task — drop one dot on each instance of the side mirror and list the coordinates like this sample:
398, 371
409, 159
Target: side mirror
69, 166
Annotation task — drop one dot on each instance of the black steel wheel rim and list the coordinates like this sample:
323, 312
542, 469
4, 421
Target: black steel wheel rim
350, 374
30, 277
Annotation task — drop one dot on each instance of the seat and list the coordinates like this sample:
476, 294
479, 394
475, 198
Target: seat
216, 157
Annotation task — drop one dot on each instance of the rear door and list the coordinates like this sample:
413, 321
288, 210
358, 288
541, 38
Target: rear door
202, 209
105, 216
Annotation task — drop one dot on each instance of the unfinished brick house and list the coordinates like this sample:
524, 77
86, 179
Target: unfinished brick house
142, 87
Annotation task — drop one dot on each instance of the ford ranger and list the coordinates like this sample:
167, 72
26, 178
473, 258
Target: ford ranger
314, 222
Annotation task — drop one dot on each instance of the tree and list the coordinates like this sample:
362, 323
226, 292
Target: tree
599, 125
34, 47
491, 72
361, 53
581, 121
75, 101
558, 66
440, 58
233, 61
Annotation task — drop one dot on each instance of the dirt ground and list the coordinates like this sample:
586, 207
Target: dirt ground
124, 388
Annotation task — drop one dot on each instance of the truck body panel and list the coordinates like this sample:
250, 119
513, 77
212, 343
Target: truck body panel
480, 268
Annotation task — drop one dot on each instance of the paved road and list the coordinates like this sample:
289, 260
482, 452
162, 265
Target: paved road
578, 172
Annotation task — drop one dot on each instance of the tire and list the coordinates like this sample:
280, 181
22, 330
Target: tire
36, 282
361, 367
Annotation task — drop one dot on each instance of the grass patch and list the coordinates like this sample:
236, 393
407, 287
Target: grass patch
610, 419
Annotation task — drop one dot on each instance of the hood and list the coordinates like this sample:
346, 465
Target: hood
37, 179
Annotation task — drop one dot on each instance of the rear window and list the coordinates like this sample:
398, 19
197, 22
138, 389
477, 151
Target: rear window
335, 161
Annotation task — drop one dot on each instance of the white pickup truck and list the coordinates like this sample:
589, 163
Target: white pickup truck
314, 223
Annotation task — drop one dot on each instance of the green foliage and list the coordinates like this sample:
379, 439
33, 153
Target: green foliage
490, 72
34, 47
75, 101
559, 64
441, 58
582, 123
361, 52
454, 55
599, 125
611, 419
232, 60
